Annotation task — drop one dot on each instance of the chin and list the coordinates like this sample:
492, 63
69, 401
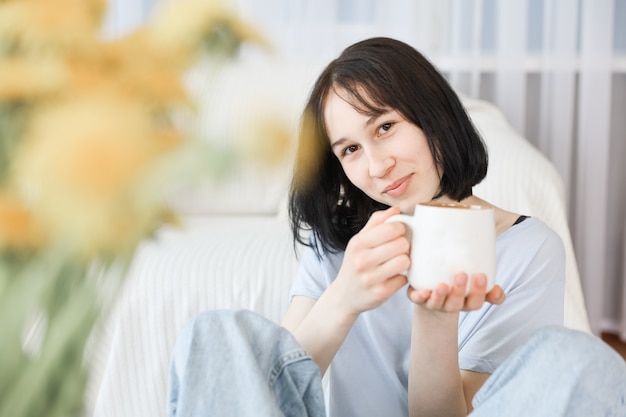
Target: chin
407, 208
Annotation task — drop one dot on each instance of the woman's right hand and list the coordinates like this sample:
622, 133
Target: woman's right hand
373, 264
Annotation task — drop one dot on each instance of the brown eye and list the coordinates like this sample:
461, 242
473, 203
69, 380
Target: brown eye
384, 128
350, 149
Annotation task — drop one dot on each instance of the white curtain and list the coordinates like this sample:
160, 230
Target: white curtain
557, 69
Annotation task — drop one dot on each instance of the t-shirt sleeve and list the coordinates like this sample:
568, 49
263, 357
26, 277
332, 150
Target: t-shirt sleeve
312, 275
531, 271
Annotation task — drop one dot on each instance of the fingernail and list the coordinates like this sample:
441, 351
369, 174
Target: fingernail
461, 279
481, 280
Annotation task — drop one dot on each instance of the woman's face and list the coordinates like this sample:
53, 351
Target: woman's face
385, 156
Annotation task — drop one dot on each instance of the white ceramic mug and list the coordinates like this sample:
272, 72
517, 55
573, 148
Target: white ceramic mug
447, 239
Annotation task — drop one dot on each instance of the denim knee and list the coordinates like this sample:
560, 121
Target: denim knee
579, 347
557, 372
236, 362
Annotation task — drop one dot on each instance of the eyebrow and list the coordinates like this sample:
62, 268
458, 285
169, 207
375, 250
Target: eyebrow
338, 143
374, 117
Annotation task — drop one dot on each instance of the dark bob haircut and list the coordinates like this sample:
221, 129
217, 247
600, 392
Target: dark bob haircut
377, 75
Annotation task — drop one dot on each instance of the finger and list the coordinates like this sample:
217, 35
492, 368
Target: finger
396, 282
418, 296
376, 265
382, 291
476, 296
496, 295
438, 297
397, 265
375, 235
456, 298
379, 217
379, 273
395, 252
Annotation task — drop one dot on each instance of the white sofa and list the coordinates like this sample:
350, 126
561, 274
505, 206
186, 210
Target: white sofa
235, 249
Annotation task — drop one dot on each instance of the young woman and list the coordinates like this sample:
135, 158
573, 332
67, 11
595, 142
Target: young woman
388, 131
383, 131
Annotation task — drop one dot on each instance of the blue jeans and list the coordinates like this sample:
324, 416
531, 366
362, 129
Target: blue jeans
236, 363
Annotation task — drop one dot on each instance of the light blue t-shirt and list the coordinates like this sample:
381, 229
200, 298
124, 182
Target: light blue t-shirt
369, 374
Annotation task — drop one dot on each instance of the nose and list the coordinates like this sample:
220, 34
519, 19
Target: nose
380, 165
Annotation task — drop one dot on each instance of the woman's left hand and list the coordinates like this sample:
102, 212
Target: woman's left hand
453, 299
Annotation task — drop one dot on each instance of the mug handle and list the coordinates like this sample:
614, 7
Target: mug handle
403, 218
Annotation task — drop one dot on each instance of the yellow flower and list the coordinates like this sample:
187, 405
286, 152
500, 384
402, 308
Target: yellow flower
57, 23
142, 71
89, 154
94, 144
26, 78
266, 140
82, 165
180, 27
18, 229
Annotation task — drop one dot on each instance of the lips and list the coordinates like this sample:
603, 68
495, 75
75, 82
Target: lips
398, 187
